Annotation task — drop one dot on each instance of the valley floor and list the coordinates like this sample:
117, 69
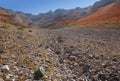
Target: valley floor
81, 54
67, 54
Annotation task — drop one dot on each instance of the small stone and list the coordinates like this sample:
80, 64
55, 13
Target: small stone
59, 40
17, 69
86, 68
91, 56
72, 58
58, 52
101, 77
1, 79
29, 80
75, 64
55, 80
5, 68
1, 51
39, 73
49, 50
7, 77
13, 79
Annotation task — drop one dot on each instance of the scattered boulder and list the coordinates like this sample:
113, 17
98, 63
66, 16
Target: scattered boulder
39, 73
59, 39
86, 68
57, 52
72, 58
5, 68
101, 77
91, 56
1, 79
1, 51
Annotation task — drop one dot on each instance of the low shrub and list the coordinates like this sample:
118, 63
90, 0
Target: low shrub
4, 26
20, 28
30, 30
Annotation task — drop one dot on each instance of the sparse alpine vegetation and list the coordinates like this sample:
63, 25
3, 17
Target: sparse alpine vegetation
5, 26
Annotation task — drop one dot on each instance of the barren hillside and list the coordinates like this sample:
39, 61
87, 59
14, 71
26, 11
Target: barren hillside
106, 17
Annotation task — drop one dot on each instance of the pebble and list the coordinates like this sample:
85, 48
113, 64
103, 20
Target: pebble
1, 51
1, 79
5, 68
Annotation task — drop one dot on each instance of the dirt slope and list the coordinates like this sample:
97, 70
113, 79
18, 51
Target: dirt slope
10, 17
107, 16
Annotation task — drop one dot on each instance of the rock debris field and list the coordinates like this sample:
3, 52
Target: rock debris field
59, 55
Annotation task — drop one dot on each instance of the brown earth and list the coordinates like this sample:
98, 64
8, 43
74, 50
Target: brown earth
66, 54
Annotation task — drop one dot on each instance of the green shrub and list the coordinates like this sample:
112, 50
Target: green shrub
20, 28
48, 61
30, 30
4, 26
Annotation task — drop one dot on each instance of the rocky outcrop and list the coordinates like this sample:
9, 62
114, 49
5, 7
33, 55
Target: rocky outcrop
101, 4
118, 2
39, 73
10, 17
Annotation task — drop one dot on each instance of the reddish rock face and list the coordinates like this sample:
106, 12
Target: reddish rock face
10, 17
105, 16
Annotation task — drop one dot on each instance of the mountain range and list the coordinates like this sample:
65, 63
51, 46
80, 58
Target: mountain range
104, 13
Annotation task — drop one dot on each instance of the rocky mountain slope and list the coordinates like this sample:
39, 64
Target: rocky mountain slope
10, 17
104, 13
106, 17
52, 18
101, 3
55, 18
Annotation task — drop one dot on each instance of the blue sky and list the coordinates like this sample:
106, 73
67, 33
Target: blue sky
42, 6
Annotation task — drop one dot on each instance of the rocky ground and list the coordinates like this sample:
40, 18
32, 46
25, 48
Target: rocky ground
61, 55
84, 54
21, 55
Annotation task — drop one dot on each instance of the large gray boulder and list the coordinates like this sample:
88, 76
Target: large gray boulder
39, 73
5, 68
